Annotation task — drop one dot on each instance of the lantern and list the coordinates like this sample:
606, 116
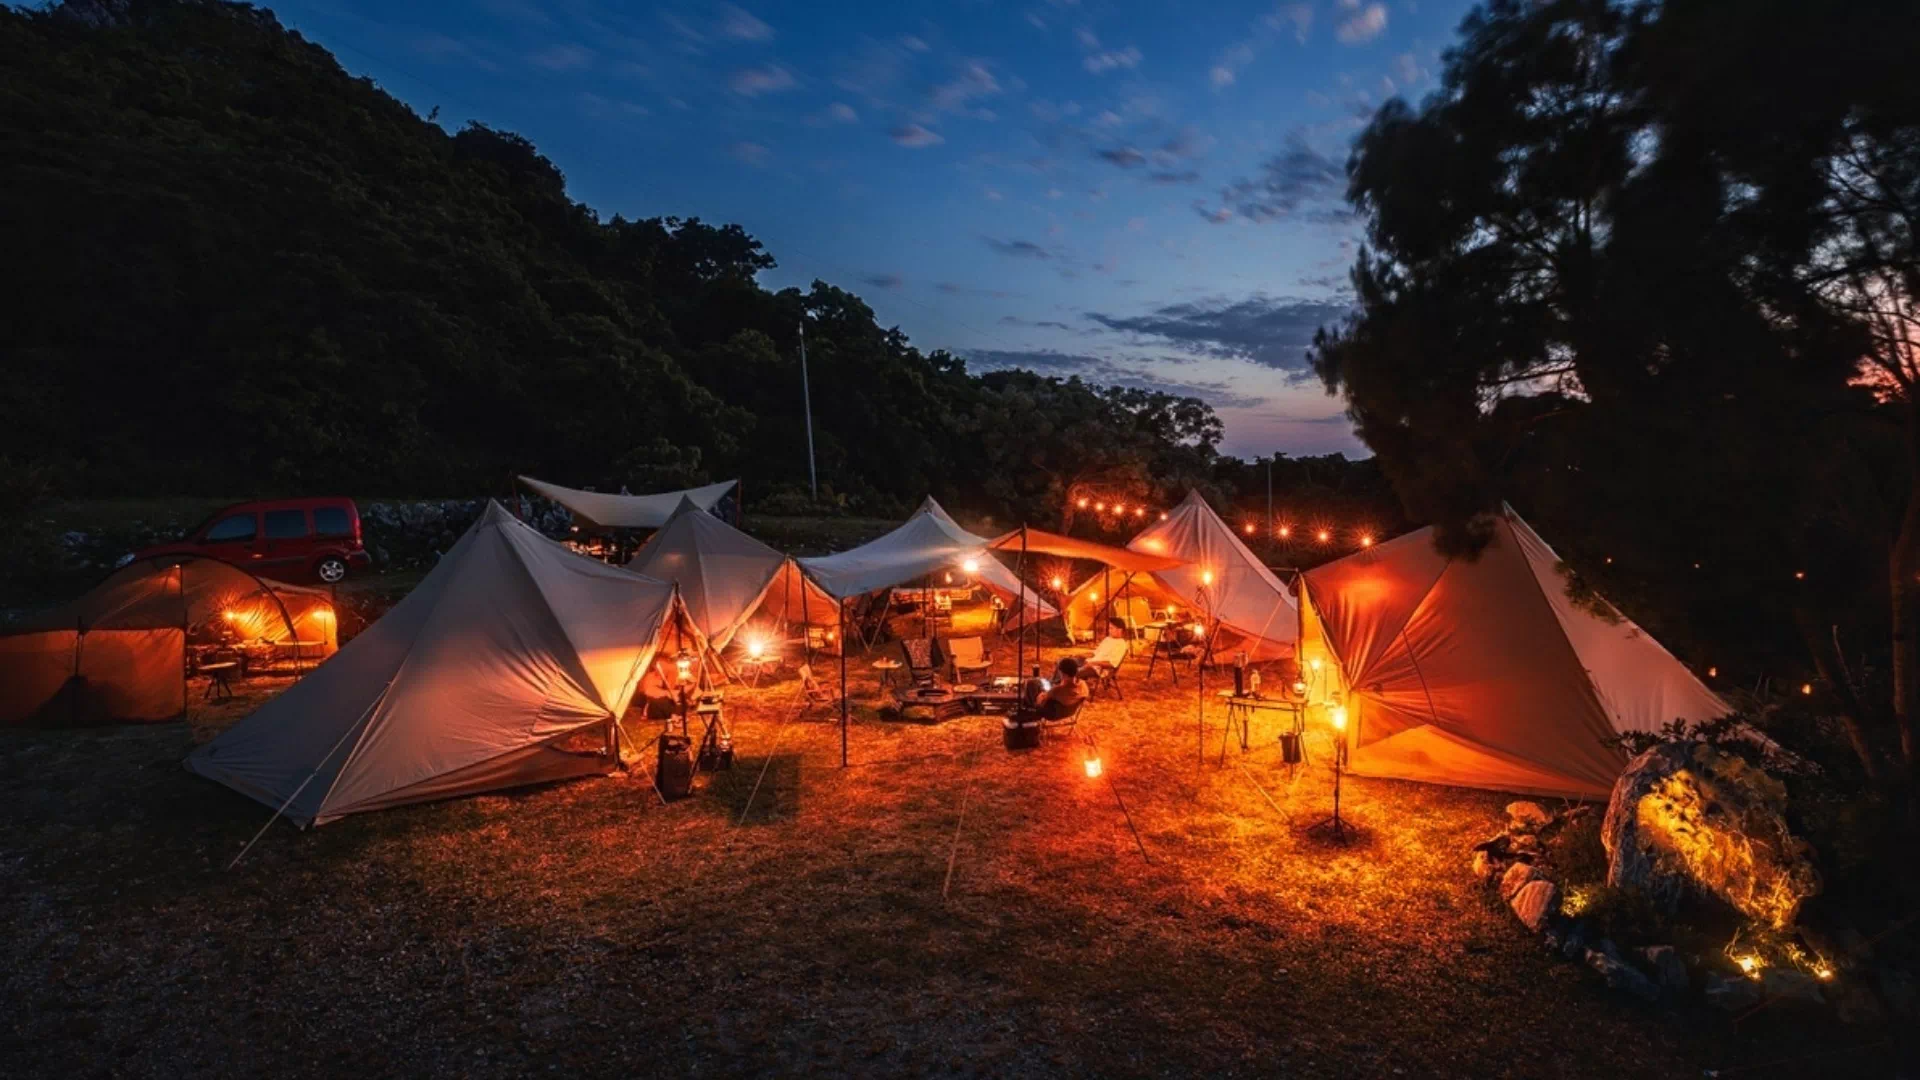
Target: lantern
683, 666
1093, 764
1285, 531
971, 566
1339, 717
756, 648
1058, 583
1366, 540
1206, 577
1323, 536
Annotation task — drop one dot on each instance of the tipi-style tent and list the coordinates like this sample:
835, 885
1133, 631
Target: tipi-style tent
118, 653
927, 543
1219, 580
727, 578
1483, 673
511, 647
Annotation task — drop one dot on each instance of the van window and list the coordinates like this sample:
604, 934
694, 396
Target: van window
286, 524
234, 527
331, 521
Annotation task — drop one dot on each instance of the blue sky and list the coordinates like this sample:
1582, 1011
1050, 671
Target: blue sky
1138, 193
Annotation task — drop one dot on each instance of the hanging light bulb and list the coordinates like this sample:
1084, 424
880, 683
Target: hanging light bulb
1058, 583
1083, 503
1323, 536
683, 666
1100, 506
1286, 531
1366, 540
1249, 528
1139, 511
1206, 577
971, 566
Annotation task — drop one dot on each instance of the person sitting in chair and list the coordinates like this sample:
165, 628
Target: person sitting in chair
1068, 691
1111, 650
657, 691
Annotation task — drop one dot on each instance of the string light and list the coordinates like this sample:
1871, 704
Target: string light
1366, 540
1083, 504
1799, 575
1323, 536
1713, 673
971, 566
1249, 528
1139, 511
1285, 531
1806, 689
1101, 507
1163, 515
1119, 508
1058, 583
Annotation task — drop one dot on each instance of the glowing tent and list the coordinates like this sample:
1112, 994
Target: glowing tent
509, 664
1484, 673
627, 511
1218, 580
118, 653
727, 578
929, 542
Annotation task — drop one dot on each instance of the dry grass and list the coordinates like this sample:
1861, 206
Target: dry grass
585, 926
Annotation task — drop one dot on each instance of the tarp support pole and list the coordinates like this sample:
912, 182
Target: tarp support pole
843, 683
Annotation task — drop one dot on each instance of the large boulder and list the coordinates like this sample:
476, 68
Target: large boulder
1687, 816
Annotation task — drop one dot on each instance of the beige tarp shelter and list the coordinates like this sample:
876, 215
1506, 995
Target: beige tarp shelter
611, 511
728, 578
929, 542
118, 653
1483, 673
1219, 582
493, 672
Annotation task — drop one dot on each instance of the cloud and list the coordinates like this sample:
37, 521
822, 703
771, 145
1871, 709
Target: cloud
1186, 177
973, 82
1050, 324
1297, 182
1226, 70
562, 57
1363, 26
915, 136
1407, 70
752, 82
884, 281
841, 112
1301, 16
1107, 372
742, 25
992, 194
1024, 249
1120, 59
751, 153
952, 288
1125, 156
1272, 332
913, 44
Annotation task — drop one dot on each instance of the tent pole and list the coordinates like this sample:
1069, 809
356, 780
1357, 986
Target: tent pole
186, 621
843, 683
1020, 652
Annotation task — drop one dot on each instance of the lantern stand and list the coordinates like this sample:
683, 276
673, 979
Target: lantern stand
1335, 827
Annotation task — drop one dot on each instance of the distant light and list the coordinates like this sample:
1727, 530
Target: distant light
1058, 584
1609, 560
1286, 531
1822, 972
1083, 504
1249, 528
1713, 673
1323, 536
1100, 506
1806, 689
1799, 575
1163, 515
971, 566
1366, 540
1206, 577
1339, 717
1300, 687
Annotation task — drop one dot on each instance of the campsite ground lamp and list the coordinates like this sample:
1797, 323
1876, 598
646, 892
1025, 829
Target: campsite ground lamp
1334, 826
1091, 758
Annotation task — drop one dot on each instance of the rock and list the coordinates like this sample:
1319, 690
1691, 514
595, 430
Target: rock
1483, 867
1515, 878
1734, 993
1495, 845
1527, 846
1622, 976
1668, 969
1689, 816
1525, 817
1791, 986
1535, 901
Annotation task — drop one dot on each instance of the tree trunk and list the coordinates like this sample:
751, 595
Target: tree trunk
1904, 583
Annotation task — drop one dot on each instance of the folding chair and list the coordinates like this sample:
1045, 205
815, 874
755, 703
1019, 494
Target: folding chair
815, 695
968, 657
1104, 666
1053, 727
923, 663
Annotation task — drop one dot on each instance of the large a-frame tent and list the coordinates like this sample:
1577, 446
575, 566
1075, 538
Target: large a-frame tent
927, 543
1484, 673
1219, 580
510, 652
727, 578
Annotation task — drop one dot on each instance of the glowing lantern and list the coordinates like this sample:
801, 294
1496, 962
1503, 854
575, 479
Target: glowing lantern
1249, 528
1750, 965
1163, 515
1806, 689
1286, 531
1339, 717
1299, 688
756, 648
1206, 577
1366, 540
1083, 504
1314, 663
1822, 972
1093, 764
971, 566
1323, 536
1058, 583
683, 667
831, 634
1139, 511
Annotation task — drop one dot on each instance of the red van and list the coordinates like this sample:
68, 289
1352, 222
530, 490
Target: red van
289, 539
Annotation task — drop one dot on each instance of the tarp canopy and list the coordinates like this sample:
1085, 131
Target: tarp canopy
929, 542
627, 511
726, 576
118, 652
1040, 542
1484, 673
1219, 581
509, 646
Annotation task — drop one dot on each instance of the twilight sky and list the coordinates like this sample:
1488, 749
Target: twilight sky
1142, 193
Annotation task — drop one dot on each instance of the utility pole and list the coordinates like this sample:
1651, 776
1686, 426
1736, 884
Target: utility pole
806, 402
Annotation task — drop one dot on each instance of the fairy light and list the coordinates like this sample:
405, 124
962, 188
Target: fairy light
1119, 508
1083, 504
1100, 507
1058, 582
1806, 689
1249, 528
1163, 515
1323, 536
1139, 511
1713, 673
1366, 540
1286, 531
1799, 575
971, 566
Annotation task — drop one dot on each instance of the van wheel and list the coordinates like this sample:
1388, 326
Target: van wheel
331, 570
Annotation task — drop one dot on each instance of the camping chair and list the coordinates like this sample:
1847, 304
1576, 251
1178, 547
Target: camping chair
813, 694
968, 656
923, 663
1103, 667
1053, 727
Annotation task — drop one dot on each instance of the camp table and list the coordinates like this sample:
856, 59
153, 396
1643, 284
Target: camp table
219, 679
1240, 713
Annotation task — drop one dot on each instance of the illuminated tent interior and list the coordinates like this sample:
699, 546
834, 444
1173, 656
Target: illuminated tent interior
119, 652
728, 580
1484, 673
610, 511
1216, 579
508, 664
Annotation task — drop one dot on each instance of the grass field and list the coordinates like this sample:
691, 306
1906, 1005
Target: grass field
939, 907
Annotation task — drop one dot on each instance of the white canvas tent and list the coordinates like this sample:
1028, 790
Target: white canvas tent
927, 543
726, 577
627, 511
1483, 673
1219, 581
511, 646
